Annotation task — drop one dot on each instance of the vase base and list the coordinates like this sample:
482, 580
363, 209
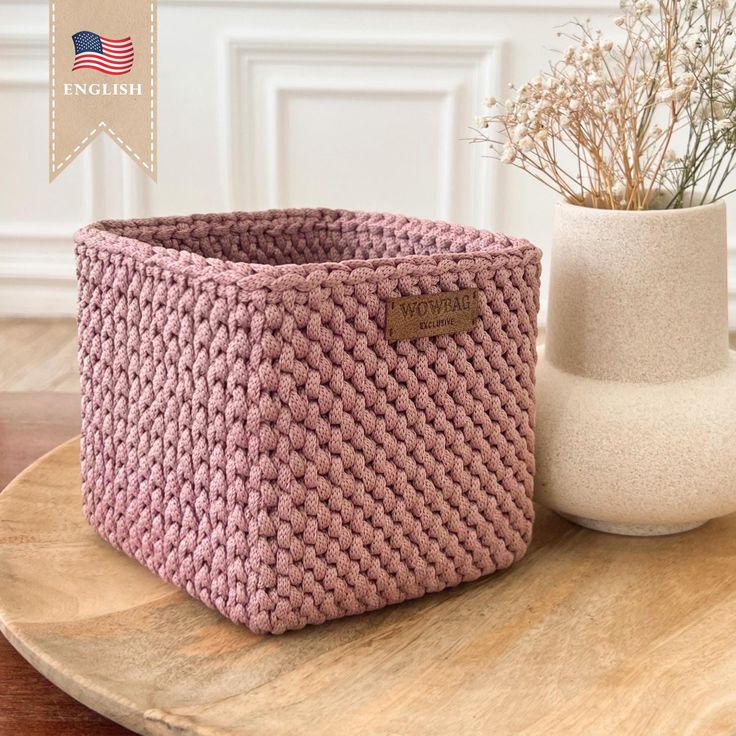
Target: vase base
633, 530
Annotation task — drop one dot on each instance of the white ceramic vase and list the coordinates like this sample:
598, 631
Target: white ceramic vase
636, 386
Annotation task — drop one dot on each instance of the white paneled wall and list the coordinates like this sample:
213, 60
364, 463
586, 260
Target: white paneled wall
273, 103
371, 122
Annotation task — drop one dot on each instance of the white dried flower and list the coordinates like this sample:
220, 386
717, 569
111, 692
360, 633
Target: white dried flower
526, 144
683, 92
518, 132
715, 109
509, 154
694, 44
481, 121
598, 88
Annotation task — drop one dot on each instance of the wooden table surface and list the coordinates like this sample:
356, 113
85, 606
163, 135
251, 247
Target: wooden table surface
590, 635
31, 424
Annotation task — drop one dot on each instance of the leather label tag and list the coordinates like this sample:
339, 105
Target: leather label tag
429, 315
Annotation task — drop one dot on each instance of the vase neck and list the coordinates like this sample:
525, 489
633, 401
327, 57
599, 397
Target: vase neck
638, 296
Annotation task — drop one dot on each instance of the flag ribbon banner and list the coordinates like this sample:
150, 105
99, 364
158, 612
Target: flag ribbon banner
102, 70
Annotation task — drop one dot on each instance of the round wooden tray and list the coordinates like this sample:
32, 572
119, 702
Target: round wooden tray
589, 634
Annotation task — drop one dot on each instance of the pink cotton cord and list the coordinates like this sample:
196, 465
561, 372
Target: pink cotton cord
249, 434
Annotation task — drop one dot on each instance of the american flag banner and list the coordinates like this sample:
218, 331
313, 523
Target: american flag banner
84, 102
106, 55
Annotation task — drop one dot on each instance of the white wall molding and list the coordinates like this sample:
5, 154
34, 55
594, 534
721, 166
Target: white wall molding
37, 277
446, 99
263, 74
37, 274
23, 57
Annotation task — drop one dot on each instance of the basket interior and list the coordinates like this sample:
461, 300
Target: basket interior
278, 237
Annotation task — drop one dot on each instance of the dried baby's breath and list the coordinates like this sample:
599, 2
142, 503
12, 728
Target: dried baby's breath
603, 125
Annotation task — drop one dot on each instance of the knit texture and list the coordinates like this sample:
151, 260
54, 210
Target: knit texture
249, 434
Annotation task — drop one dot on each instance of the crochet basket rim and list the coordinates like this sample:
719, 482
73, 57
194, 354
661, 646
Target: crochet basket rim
492, 250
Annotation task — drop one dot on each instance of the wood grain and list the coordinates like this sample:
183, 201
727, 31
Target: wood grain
589, 634
38, 355
31, 425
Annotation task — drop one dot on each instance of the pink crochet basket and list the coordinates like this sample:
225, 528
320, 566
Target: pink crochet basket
250, 433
